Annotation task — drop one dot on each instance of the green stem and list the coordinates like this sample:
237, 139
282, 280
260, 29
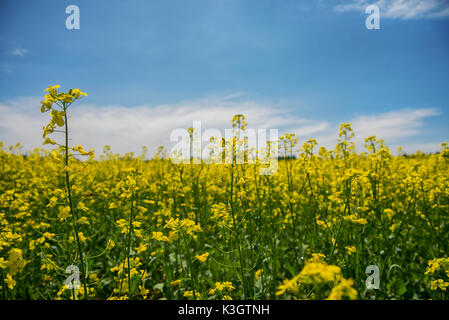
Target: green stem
130, 230
235, 229
189, 261
72, 212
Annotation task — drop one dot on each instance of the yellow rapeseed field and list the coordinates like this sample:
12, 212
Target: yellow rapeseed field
153, 229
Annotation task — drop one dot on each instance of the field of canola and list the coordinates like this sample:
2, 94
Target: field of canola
153, 229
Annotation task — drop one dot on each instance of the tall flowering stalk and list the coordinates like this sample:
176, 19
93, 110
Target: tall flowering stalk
64, 100
187, 229
238, 121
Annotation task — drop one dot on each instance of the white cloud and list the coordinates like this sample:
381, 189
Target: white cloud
311, 130
127, 129
401, 9
19, 52
395, 128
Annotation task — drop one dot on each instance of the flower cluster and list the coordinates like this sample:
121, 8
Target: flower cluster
319, 275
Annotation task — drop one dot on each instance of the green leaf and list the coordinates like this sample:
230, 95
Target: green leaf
400, 287
159, 286
290, 269
134, 283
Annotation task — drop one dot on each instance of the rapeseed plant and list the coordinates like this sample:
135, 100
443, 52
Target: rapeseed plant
154, 229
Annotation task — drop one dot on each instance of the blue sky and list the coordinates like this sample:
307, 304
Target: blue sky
308, 64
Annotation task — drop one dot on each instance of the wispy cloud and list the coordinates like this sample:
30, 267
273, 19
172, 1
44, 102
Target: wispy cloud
395, 125
19, 52
396, 128
127, 129
401, 9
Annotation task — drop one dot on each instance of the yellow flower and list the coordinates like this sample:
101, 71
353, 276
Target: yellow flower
159, 236
203, 257
353, 218
258, 273
175, 282
52, 88
80, 149
82, 237
10, 281
112, 205
110, 245
3, 263
76, 93
15, 260
49, 235
390, 213
49, 141
318, 256
343, 289
143, 292
141, 248
221, 286
317, 271
320, 223
83, 220
64, 212
188, 294
439, 284
351, 249
291, 285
